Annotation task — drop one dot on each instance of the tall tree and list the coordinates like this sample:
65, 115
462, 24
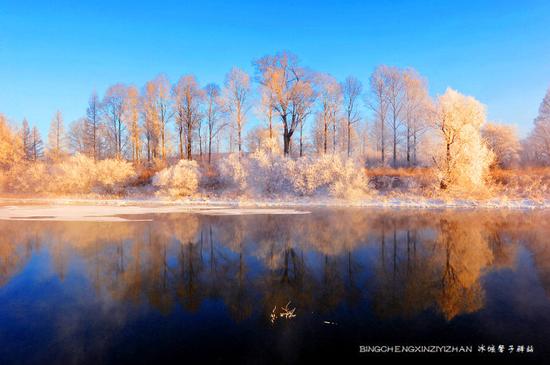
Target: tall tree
330, 97
351, 91
213, 113
237, 96
113, 111
539, 139
77, 136
93, 121
266, 107
504, 142
151, 123
393, 81
11, 146
132, 112
417, 111
26, 138
163, 108
465, 158
37, 146
378, 102
188, 98
56, 137
291, 89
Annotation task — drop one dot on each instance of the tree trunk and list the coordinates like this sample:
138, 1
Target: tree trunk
189, 141
180, 134
239, 140
301, 139
209, 145
408, 146
334, 136
286, 142
325, 136
349, 138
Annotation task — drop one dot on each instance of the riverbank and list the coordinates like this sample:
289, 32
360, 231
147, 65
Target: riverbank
114, 208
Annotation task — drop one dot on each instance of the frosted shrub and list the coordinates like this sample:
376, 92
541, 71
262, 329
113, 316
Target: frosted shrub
349, 181
269, 173
113, 175
329, 175
233, 172
75, 175
27, 178
181, 179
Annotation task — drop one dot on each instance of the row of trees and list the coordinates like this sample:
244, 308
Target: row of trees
184, 119
393, 121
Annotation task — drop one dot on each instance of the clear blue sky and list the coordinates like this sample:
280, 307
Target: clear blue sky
54, 53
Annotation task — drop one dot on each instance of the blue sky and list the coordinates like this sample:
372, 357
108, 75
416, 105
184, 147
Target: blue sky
54, 53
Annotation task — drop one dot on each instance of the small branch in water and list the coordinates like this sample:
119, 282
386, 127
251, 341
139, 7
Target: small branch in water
285, 312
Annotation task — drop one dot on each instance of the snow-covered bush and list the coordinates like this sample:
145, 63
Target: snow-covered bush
267, 173
75, 175
113, 175
181, 179
329, 175
27, 177
233, 172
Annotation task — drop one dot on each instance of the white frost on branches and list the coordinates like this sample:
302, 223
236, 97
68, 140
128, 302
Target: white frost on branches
179, 180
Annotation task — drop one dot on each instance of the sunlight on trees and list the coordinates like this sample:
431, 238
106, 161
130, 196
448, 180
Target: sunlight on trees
464, 159
181, 179
504, 142
309, 135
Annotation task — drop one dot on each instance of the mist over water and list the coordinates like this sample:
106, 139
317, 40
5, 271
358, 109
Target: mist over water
273, 288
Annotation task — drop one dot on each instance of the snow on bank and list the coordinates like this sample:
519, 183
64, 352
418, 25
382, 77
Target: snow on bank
114, 210
113, 213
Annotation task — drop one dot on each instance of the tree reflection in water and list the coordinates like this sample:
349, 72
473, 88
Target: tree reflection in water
403, 262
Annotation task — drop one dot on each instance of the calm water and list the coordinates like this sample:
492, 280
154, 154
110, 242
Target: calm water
188, 287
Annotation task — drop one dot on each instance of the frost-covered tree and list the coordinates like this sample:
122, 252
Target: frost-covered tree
77, 136
26, 137
213, 113
113, 111
56, 137
131, 119
464, 159
504, 142
351, 91
237, 100
37, 145
291, 92
394, 85
538, 141
330, 99
11, 146
266, 109
417, 112
378, 103
93, 126
159, 90
188, 99
151, 128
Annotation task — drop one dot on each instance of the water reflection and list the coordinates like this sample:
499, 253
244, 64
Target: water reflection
399, 265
